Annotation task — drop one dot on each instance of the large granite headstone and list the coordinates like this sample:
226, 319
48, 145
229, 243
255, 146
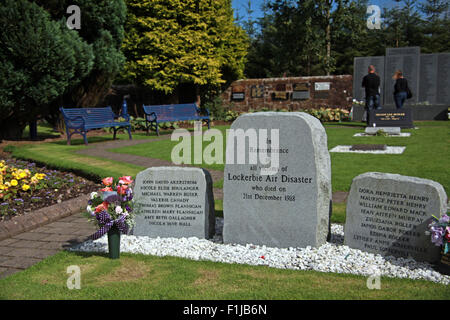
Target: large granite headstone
389, 214
291, 207
360, 69
174, 202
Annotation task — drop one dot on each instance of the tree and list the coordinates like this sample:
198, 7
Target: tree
39, 60
403, 25
351, 37
102, 27
173, 42
436, 26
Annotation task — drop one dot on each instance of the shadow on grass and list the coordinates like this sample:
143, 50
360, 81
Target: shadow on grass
77, 142
40, 137
107, 137
345, 124
87, 255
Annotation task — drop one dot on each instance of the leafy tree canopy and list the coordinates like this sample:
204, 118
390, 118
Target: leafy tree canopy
171, 42
39, 59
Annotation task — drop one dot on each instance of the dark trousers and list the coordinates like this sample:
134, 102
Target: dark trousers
372, 102
399, 99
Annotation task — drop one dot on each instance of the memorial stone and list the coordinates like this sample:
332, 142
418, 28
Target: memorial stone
289, 208
428, 78
174, 202
391, 118
388, 214
388, 130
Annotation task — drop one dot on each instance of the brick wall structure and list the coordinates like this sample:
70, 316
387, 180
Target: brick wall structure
292, 94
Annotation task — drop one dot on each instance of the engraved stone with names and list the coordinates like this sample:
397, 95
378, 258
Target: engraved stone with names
174, 202
388, 214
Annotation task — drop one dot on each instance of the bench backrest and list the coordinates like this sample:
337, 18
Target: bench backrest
173, 111
90, 115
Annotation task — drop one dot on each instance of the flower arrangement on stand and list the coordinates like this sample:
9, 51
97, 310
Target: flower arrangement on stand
440, 236
112, 210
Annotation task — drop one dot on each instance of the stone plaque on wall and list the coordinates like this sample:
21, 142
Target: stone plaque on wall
300, 95
257, 91
322, 86
301, 86
280, 95
238, 96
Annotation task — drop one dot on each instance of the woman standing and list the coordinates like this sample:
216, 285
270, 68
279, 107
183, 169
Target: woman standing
400, 89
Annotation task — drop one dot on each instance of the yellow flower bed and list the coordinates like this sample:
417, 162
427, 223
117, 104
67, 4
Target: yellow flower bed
13, 179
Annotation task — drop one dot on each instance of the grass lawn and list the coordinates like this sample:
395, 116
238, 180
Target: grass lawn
150, 277
59, 155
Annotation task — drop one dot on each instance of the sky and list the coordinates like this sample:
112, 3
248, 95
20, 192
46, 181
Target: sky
240, 5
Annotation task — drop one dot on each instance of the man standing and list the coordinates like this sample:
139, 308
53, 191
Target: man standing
371, 82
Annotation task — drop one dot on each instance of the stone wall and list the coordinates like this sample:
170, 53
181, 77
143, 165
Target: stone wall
292, 93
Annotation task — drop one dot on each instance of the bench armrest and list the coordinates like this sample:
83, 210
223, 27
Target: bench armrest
151, 116
68, 121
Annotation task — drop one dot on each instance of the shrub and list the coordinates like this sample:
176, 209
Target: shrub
329, 114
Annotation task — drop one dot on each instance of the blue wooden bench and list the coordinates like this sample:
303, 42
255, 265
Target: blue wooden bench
81, 120
173, 112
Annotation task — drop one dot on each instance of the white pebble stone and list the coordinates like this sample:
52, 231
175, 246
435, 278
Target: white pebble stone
330, 257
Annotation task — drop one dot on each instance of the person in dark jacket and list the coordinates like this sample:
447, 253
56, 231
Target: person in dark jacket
371, 82
400, 89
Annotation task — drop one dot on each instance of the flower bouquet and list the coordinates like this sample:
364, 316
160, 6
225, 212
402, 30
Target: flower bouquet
112, 210
440, 236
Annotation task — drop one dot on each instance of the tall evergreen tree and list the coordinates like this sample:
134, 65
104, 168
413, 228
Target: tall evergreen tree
102, 27
436, 26
39, 60
169, 43
403, 25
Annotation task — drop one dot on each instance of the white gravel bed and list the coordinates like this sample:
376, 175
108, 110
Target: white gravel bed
402, 134
330, 257
389, 150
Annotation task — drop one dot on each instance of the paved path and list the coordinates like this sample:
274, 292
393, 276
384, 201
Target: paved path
24, 250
